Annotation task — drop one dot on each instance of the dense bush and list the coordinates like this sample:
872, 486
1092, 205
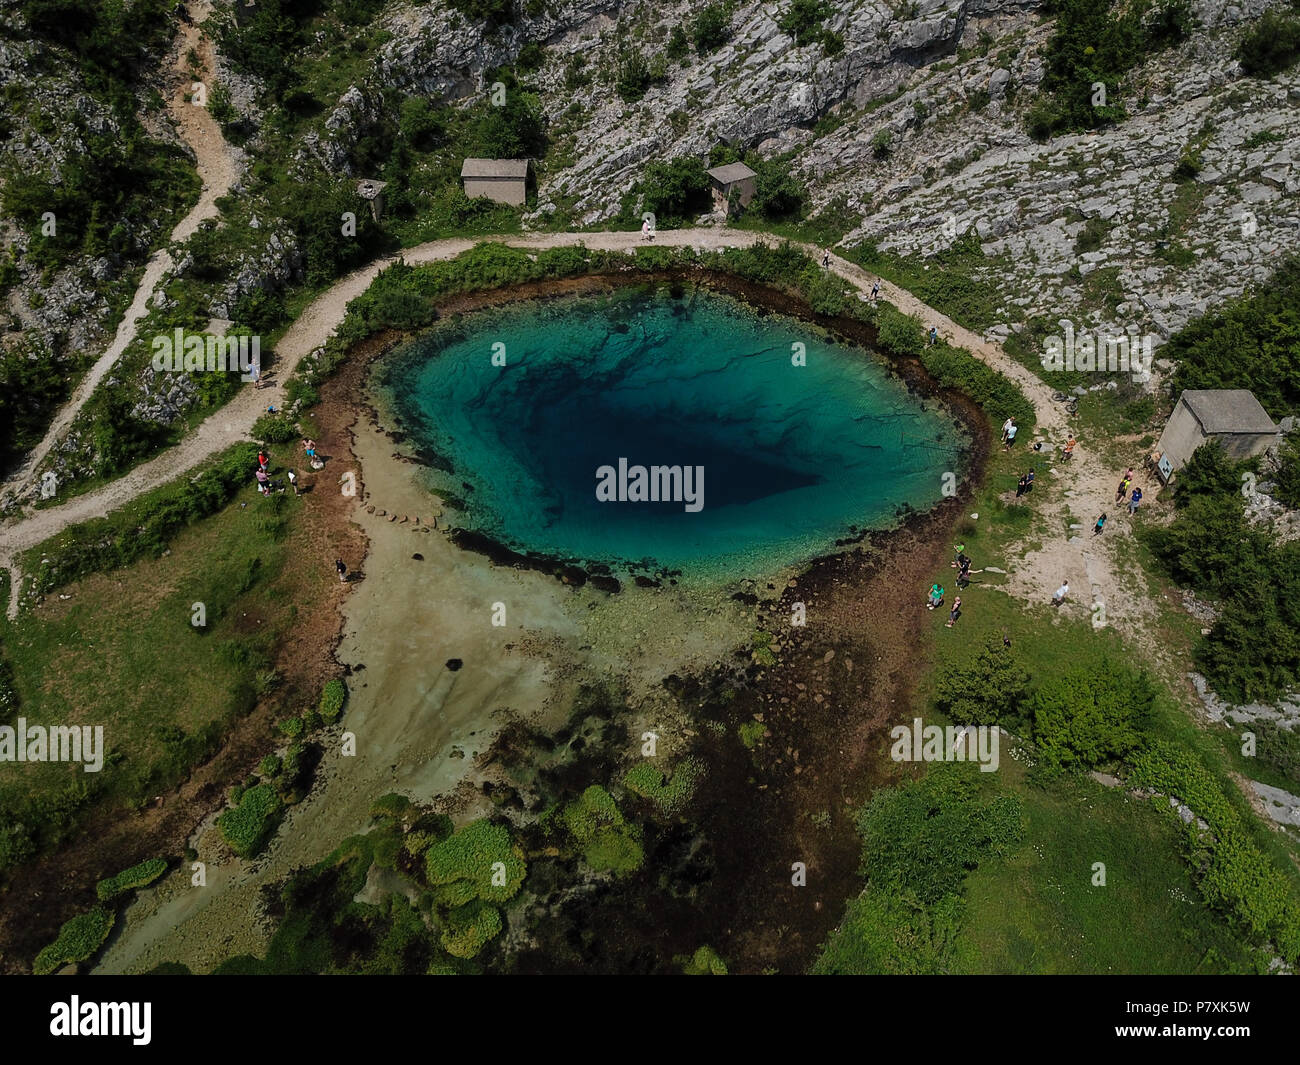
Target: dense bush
1234, 877
137, 876
1252, 651
676, 191
919, 842
514, 130
470, 927
1087, 717
466, 859
1098, 41
609, 843
9, 700
331, 700
248, 826
705, 962
1253, 343
275, 429
986, 691
1271, 45
709, 28
777, 195
671, 794
1286, 483
78, 940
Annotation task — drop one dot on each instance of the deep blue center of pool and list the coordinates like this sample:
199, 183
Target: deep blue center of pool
794, 457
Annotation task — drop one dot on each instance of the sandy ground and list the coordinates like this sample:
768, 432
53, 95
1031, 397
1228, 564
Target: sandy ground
217, 164
419, 726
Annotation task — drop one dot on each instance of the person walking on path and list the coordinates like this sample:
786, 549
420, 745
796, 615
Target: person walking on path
875, 292
1122, 491
934, 335
826, 261
1101, 524
954, 613
1069, 449
341, 568
647, 230
1059, 597
1135, 501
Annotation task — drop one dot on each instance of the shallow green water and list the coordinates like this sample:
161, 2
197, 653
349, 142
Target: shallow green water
793, 457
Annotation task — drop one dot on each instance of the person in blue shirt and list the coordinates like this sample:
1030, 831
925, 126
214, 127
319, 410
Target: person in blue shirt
1134, 500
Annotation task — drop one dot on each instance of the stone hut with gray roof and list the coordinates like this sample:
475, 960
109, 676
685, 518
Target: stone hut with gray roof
735, 177
502, 180
1232, 416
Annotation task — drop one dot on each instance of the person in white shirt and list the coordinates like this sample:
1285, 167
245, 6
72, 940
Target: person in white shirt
1006, 428
1061, 593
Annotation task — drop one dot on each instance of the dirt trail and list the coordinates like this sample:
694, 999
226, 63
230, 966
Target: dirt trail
216, 164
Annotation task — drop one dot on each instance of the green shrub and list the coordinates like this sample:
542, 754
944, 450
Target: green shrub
1252, 342
676, 191
468, 857
275, 429
137, 876
470, 928
670, 794
985, 691
1234, 877
1088, 717
608, 842
898, 333
709, 28
78, 940
247, 827
1286, 489
803, 19
292, 726
331, 700
1271, 45
393, 805
705, 962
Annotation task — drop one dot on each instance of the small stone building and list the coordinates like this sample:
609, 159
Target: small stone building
372, 191
502, 180
733, 176
1231, 416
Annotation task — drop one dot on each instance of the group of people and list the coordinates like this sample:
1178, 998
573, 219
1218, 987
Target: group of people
962, 564
1009, 430
1123, 494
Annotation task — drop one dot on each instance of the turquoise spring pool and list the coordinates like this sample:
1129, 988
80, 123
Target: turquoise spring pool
763, 440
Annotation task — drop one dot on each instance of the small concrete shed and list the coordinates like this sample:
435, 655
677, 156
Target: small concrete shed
502, 180
1231, 416
735, 176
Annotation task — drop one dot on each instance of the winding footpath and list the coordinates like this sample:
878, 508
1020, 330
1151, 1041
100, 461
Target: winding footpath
216, 165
